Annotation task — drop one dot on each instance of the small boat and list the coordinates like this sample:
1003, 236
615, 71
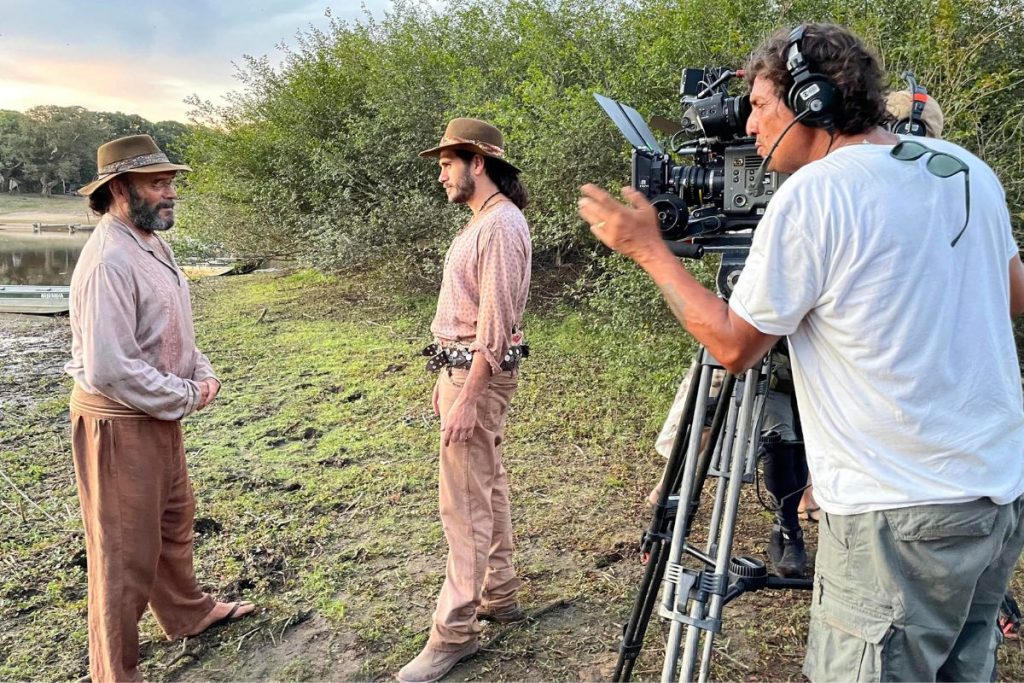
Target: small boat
214, 267
35, 299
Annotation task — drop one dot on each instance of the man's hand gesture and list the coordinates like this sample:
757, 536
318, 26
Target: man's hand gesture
208, 390
630, 230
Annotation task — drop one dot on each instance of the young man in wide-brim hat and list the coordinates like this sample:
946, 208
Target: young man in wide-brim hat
478, 344
137, 373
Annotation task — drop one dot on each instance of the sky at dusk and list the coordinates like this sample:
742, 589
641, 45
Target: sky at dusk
145, 57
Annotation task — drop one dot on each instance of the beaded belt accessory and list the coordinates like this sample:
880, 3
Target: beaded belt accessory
462, 357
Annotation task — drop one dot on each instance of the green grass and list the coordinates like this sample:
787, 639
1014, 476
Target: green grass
315, 474
73, 207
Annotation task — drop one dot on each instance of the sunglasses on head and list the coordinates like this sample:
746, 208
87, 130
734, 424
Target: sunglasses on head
941, 165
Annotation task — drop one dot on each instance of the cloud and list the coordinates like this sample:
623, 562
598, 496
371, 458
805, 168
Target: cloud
144, 58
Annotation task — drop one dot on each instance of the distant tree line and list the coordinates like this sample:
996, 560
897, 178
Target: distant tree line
51, 149
318, 157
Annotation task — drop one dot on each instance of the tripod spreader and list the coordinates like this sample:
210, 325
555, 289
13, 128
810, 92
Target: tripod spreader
750, 574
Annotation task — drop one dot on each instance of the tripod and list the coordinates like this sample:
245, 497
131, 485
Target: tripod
695, 598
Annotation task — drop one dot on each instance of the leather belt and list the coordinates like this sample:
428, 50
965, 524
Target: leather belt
456, 356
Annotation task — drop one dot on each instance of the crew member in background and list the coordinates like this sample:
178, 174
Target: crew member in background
478, 345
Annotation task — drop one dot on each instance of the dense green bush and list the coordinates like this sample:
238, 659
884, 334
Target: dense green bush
318, 158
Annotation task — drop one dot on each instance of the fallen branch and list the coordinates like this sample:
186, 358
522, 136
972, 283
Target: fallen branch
18, 513
244, 636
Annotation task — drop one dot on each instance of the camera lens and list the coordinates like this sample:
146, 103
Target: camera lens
720, 116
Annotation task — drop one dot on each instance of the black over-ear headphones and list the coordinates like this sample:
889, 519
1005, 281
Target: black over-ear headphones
912, 125
812, 96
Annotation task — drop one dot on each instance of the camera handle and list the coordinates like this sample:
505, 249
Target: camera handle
685, 249
695, 598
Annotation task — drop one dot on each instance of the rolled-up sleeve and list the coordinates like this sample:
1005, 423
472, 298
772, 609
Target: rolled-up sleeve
111, 356
502, 269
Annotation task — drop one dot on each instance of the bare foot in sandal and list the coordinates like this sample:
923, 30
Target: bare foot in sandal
223, 613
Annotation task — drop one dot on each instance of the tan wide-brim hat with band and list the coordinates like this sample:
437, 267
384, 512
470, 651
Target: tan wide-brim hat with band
900, 102
132, 154
472, 135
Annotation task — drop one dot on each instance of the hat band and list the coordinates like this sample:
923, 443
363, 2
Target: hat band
487, 147
134, 162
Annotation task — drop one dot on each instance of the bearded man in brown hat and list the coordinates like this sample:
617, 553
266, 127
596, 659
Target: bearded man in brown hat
478, 344
137, 373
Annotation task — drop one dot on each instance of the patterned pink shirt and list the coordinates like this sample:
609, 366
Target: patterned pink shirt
485, 285
131, 323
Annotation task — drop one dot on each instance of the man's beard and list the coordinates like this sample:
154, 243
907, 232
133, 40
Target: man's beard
465, 187
147, 216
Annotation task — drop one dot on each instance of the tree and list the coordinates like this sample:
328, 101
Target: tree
55, 143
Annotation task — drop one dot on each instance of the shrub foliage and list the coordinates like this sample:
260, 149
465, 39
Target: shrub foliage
317, 158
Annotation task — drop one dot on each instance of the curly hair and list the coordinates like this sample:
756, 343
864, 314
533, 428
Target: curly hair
843, 58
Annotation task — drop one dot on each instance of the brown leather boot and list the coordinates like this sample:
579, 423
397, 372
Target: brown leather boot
501, 615
432, 664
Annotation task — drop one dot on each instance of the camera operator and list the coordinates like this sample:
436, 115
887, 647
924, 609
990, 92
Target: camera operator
907, 110
894, 289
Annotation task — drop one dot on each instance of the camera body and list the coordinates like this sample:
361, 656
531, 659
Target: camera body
714, 194
714, 200
719, 189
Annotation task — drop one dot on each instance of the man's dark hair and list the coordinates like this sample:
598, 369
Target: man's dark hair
843, 58
502, 175
101, 199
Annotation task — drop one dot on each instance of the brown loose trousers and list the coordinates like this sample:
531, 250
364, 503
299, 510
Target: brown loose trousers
138, 507
475, 514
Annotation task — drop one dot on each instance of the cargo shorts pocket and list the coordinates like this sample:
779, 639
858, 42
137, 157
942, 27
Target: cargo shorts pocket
849, 638
942, 522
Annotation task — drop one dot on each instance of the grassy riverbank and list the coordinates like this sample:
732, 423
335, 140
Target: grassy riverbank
316, 485
20, 211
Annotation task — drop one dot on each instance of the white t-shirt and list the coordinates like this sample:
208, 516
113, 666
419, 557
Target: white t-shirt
903, 354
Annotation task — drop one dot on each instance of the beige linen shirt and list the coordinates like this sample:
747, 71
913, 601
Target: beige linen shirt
485, 284
131, 323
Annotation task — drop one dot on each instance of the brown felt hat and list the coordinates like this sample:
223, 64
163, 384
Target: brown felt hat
473, 135
132, 154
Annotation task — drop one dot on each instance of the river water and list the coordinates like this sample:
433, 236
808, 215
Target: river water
27, 259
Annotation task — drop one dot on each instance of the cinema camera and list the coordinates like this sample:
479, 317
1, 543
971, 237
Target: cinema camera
713, 202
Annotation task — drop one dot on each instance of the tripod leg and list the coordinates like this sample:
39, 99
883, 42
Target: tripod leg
738, 444
710, 445
744, 451
675, 589
656, 538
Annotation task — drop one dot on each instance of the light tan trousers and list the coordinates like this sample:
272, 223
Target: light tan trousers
138, 507
473, 492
